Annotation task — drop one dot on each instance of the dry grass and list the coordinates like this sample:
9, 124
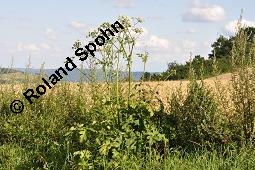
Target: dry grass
162, 89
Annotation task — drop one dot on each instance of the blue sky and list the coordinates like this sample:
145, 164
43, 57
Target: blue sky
172, 29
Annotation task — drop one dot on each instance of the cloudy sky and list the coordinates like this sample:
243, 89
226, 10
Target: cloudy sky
172, 29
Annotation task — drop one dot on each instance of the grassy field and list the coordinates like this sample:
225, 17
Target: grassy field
162, 125
120, 124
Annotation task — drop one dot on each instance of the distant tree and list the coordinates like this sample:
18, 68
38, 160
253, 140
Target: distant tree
171, 65
156, 76
175, 71
197, 61
146, 76
250, 32
222, 47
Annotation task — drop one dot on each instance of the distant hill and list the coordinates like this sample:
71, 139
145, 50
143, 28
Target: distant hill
8, 70
76, 75
16, 77
7, 75
18, 74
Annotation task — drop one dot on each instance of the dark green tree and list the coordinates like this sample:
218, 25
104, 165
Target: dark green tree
250, 32
221, 48
146, 76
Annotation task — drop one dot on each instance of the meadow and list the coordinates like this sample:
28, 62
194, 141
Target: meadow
120, 124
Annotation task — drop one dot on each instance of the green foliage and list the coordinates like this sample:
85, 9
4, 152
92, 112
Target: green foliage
203, 68
146, 76
221, 48
105, 142
193, 119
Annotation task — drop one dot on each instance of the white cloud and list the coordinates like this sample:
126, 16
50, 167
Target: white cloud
189, 45
157, 42
204, 13
178, 51
231, 27
206, 44
162, 51
155, 17
31, 47
27, 47
78, 25
124, 3
45, 46
191, 31
152, 41
50, 34
184, 48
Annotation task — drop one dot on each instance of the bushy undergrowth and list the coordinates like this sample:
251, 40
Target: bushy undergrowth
115, 125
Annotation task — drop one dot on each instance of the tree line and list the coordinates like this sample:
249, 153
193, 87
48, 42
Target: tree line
203, 67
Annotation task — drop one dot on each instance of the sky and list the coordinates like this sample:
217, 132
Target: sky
173, 30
